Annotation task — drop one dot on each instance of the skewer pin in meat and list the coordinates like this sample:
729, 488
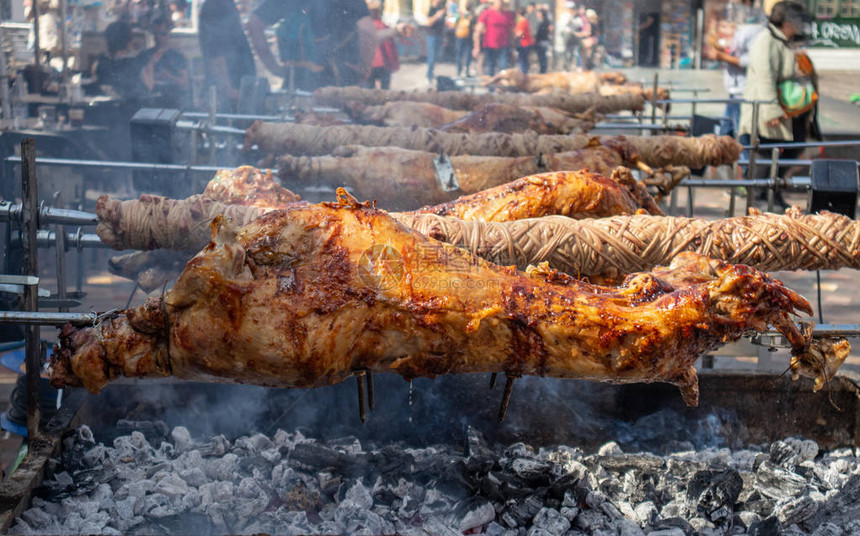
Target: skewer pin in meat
658, 151
341, 97
314, 294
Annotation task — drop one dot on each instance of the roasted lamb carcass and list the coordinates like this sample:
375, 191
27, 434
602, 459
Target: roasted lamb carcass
311, 295
403, 179
247, 186
575, 195
279, 139
510, 119
575, 83
153, 222
547, 83
342, 97
488, 118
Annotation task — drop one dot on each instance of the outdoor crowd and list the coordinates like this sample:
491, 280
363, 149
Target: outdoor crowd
345, 42
765, 62
330, 42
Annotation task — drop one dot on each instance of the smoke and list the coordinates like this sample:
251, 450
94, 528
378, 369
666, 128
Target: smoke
542, 412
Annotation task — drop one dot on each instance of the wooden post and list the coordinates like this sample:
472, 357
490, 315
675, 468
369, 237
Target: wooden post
29, 228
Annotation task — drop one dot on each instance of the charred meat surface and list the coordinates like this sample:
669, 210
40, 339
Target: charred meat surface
575, 194
313, 294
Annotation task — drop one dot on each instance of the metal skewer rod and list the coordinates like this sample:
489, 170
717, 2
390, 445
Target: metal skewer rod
146, 166
48, 215
78, 240
34, 318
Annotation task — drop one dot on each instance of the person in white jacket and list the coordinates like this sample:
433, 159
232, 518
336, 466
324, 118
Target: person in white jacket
771, 61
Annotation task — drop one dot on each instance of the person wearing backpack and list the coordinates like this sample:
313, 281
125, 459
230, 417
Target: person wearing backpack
773, 78
463, 44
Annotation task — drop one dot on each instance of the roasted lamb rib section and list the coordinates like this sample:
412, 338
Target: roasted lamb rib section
313, 294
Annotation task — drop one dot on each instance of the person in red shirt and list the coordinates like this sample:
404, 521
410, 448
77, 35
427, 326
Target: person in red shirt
385, 60
524, 41
493, 35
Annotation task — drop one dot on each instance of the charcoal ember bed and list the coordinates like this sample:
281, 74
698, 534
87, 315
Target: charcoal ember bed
235, 460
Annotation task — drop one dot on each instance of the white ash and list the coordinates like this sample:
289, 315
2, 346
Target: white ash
289, 483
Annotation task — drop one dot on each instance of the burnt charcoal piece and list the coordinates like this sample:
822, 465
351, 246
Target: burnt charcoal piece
522, 512
721, 491
217, 446
765, 527
247, 464
456, 482
153, 431
843, 506
777, 483
175, 524
391, 462
561, 485
532, 472
479, 458
758, 504
314, 458
672, 523
471, 513
625, 462
510, 486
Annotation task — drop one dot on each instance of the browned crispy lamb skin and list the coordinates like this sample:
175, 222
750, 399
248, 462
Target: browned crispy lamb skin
312, 294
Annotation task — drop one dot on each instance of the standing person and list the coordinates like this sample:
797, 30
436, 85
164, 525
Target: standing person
166, 70
435, 35
524, 41
570, 26
543, 39
735, 56
120, 68
493, 35
588, 38
226, 54
649, 33
532, 17
386, 60
344, 36
463, 34
772, 61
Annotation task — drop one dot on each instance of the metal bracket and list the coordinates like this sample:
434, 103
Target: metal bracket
445, 174
18, 279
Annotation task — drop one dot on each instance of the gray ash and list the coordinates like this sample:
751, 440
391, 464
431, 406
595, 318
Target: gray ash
160, 481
